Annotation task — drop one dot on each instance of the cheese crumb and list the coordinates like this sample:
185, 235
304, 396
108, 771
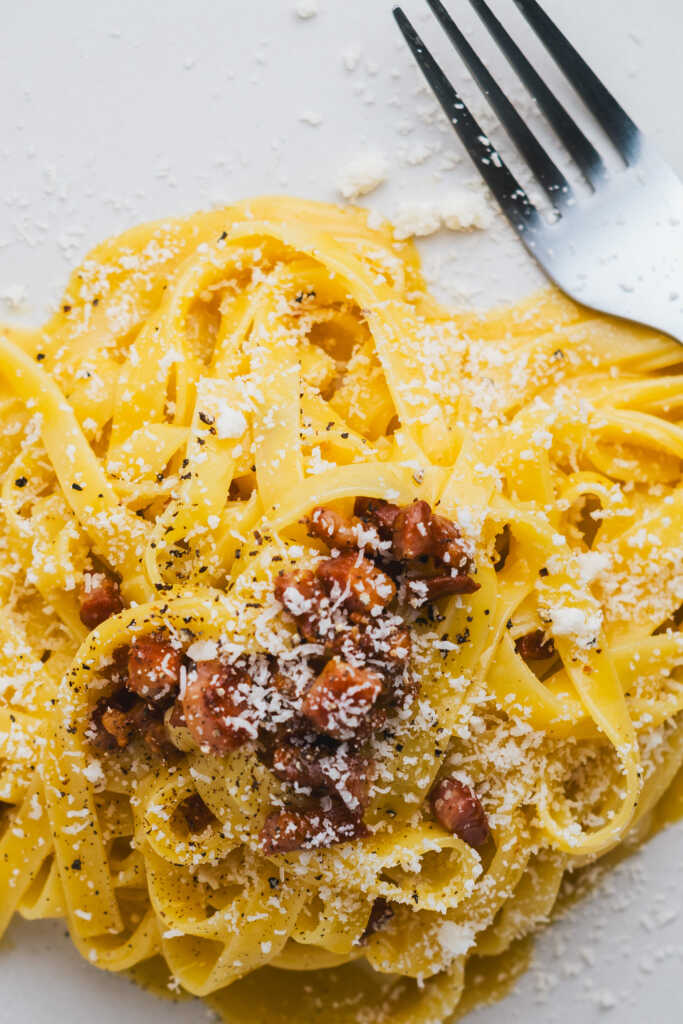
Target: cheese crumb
363, 174
592, 563
14, 296
416, 219
202, 650
306, 9
465, 209
93, 772
461, 210
351, 57
455, 939
311, 117
574, 623
230, 423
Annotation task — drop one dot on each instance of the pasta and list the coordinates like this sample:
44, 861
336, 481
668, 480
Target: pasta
208, 383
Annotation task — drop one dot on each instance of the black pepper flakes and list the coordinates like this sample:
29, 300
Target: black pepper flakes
21, 481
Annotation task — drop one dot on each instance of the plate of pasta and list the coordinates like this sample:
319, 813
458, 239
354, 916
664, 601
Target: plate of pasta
341, 629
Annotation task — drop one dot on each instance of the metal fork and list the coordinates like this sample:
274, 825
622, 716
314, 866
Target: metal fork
620, 248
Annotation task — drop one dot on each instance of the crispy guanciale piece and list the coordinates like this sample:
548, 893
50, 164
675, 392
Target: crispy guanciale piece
117, 725
301, 594
380, 514
153, 669
215, 707
333, 528
447, 544
176, 718
317, 827
430, 588
379, 642
380, 916
356, 583
149, 725
99, 598
411, 536
310, 768
393, 646
121, 718
299, 766
196, 814
419, 532
534, 646
341, 697
458, 809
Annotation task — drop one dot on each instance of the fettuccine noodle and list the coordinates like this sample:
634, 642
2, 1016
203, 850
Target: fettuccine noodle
549, 435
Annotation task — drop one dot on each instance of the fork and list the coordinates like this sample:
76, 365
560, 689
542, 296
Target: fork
619, 249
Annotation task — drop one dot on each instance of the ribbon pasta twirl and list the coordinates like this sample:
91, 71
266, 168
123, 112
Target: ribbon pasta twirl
205, 384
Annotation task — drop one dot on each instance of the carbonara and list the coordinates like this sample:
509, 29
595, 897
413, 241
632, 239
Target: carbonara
337, 627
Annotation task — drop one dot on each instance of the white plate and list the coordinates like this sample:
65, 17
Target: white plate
117, 112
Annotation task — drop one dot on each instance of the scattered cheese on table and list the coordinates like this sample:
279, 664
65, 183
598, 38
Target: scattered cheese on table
362, 175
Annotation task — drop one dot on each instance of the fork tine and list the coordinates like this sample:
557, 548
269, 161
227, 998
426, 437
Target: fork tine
579, 147
624, 134
544, 169
511, 197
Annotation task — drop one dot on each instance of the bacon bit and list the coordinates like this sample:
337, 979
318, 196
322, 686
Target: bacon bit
447, 543
309, 768
351, 777
295, 590
150, 726
458, 809
214, 705
117, 672
380, 916
412, 538
333, 528
313, 828
357, 583
419, 532
375, 720
196, 814
534, 646
115, 721
380, 514
502, 548
430, 588
99, 597
176, 719
298, 766
395, 647
391, 646
341, 697
153, 669
284, 685
117, 724
301, 595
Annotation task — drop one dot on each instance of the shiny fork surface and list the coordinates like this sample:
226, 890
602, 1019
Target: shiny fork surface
619, 249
